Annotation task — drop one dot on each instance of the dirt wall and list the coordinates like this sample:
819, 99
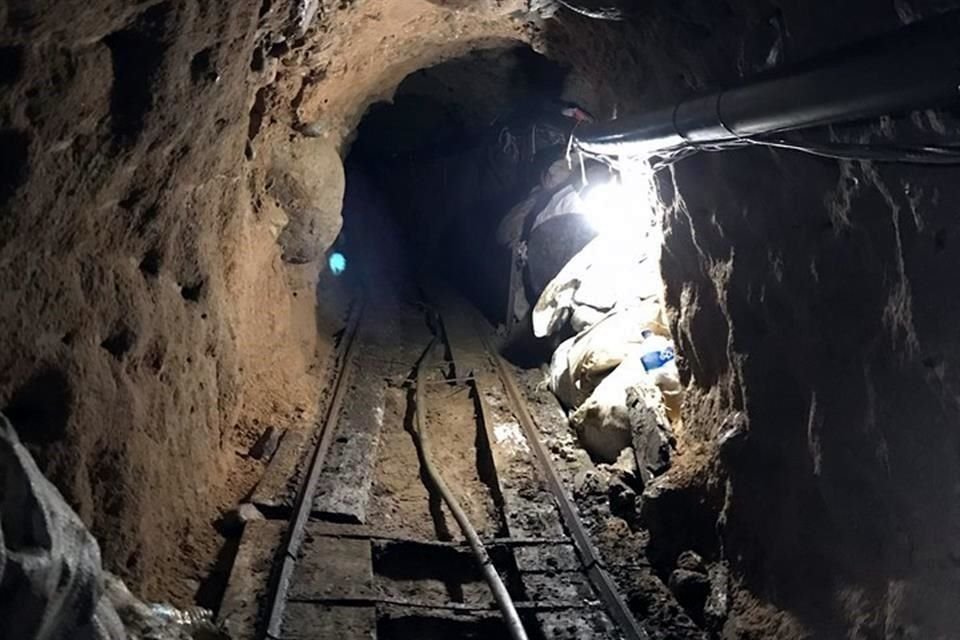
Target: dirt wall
144, 307
151, 327
812, 301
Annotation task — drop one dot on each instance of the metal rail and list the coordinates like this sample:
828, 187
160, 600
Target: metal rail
590, 559
497, 587
459, 607
304, 502
592, 562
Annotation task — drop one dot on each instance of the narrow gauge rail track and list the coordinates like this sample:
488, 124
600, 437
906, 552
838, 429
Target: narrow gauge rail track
355, 562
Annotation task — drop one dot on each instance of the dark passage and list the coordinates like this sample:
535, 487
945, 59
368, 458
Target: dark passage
462, 144
665, 291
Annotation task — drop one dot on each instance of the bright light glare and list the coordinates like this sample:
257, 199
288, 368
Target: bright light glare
621, 206
607, 208
337, 262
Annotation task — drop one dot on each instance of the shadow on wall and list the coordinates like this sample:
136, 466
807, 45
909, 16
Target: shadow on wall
40, 408
373, 241
843, 504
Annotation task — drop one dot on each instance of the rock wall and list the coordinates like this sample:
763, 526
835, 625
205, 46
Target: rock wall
159, 248
144, 307
822, 314
813, 303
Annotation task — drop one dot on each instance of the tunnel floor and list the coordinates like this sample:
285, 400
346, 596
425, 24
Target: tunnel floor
381, 555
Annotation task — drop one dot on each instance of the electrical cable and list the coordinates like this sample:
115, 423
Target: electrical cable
597, 13
905, 154
927, 154
497, 587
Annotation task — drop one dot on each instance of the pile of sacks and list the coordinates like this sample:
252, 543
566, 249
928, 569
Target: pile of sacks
617, 375
52, 585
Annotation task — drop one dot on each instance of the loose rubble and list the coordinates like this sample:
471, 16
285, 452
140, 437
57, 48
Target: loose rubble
266, 445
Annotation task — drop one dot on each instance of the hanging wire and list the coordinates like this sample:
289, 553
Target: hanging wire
905, 154
597, 13
942, 155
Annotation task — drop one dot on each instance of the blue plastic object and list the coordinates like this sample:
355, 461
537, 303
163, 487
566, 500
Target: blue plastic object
658, 358
661, 351
337, 262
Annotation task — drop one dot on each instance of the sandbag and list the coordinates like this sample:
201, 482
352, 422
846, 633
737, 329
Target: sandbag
626, 410
606, 273
580, 363
51, 563
561, 383
624, 281
613, 339
551, 245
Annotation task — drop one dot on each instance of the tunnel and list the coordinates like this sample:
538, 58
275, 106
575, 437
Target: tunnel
440, 319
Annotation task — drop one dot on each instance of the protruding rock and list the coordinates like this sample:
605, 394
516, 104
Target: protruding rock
590, 482
234, 520
266, 444
626, 463
307, 181
652, 437
717, 607
691, 589
623, 499
691, 561
733, 435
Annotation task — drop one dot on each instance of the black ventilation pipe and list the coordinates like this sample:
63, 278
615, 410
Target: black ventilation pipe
915, 67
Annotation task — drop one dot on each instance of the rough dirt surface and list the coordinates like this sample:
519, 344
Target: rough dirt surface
453, 433
404, 502
400, 502
151, 329
145, 311
812, 322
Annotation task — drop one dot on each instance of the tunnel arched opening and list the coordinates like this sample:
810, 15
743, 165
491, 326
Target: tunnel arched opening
459, 145
170, 281
473, 160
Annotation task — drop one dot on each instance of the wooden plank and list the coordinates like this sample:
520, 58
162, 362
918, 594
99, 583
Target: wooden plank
387, 605
428, 574
309, 621
333, 569
569, 587
243, 601
349, 530
586, 625
561, 557
275, 491
343, 492
339, 530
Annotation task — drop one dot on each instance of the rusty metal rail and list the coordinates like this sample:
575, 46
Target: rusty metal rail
497, 587
283, 576
592, 562
304, 503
